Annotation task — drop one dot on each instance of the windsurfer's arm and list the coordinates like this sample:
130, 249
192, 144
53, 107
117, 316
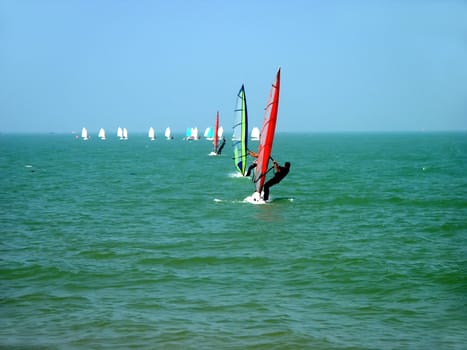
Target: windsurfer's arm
253, 154
277, 167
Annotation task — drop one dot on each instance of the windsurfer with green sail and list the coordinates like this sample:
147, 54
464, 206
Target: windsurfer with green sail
254, 164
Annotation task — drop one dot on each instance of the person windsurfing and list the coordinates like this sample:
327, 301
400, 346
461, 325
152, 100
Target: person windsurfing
254, 164
279, 173
221, 147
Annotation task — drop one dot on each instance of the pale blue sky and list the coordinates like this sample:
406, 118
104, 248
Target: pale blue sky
346, 65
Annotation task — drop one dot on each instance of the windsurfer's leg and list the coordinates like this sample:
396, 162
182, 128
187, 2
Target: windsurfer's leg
266, 192
250, 168
267, 186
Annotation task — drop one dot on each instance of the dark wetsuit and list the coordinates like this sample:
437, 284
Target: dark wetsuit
221, 147
250, 168
253, 165
278, 176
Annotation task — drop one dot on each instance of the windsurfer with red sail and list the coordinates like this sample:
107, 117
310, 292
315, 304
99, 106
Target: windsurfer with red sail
279, 173
219, 151
265, 148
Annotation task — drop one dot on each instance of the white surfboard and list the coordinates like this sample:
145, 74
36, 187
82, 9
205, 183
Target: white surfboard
255, 198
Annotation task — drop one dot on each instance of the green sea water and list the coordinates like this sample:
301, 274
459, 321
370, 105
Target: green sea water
148, 245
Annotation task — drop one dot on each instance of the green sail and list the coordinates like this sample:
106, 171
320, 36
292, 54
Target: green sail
240, 133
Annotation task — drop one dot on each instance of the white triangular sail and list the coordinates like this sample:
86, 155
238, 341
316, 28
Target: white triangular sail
168, 134
120, 133
151, 134
255, 134
194, 134
84, 134
208, 133
101, 134
125, 134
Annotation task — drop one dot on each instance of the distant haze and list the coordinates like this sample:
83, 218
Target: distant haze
346, 65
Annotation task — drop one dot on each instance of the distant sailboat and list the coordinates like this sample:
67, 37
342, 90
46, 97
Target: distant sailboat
101, 134
84, 134
151, 134
195, 134
120, 133
255, 134
191, 134
125, 134
209, 134
168, 134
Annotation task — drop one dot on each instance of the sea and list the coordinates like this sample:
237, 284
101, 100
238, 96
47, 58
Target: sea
141, 244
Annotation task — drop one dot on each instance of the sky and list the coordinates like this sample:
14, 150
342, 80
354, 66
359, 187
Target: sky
349, 65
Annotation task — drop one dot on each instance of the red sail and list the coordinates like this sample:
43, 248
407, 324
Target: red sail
216, 133
267, 134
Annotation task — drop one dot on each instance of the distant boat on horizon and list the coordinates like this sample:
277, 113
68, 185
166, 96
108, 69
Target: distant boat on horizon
191, 134
255, 134
168, 134
101, 134
209, 133
84, 134
151, 134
